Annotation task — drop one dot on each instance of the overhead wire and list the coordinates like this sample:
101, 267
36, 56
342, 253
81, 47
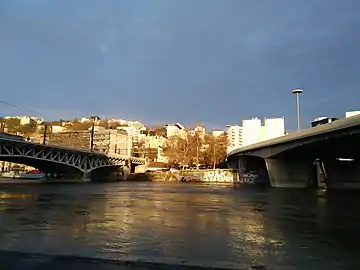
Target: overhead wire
20, 107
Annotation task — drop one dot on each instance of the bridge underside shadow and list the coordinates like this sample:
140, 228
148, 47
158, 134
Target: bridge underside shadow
47, 167
108, 174
337, 160
252, 169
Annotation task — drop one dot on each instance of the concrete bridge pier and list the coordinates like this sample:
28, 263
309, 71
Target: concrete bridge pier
342, 174
320, 174
242, 164
108, 174
86, 177
285, 172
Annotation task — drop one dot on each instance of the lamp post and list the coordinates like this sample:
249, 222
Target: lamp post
93, 118
297, 92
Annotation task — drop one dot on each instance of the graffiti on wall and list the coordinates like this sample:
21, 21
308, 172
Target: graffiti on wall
253, 177
222, 176
219, 176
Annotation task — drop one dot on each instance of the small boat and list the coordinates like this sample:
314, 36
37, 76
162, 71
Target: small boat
35, 174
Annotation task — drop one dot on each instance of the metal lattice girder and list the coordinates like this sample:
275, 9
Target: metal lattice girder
84, 161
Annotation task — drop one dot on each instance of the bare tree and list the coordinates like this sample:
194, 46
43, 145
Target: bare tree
180, 150
138, 148
215, 150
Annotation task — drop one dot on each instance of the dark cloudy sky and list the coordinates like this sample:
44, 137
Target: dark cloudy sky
210, 61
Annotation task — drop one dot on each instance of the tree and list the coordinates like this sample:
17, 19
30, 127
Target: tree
28, 129
138, 148
113, 125
215, 152
78, 126
104, 123
181, 150
141, 149
12, 124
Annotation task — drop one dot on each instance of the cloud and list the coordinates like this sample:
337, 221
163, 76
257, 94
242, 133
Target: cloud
188, 61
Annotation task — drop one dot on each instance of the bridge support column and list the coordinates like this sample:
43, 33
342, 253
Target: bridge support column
342, 174
289, 172
321, 176
238, 163
86, 177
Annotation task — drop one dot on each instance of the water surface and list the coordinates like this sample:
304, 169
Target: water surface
184, 223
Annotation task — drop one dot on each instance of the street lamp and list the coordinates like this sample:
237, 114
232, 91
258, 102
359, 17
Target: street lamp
93, 118
297, 92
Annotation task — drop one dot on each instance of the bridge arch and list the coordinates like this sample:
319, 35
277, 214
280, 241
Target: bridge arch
57, 159
44, 165
110, 166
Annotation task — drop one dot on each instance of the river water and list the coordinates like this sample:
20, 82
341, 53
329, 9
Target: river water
184, 223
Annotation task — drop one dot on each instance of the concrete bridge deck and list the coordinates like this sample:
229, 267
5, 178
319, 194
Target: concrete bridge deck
289, 160
322, 130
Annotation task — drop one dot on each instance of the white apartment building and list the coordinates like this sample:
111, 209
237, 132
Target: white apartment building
273, 128
58, 129
252, 131
199, 130
217, 133
25, 120
132, 131
112, 141
352, 113
235, 137
255, 132
175, 130
155, 143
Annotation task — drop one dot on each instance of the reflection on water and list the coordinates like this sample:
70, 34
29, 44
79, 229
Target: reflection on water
183, 223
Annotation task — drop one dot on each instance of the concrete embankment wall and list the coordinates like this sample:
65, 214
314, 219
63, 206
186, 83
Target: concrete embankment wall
213, 176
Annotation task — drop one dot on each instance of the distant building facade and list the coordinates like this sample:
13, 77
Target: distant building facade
111, 141
25, 120
234, 137
175, 130
58, 129
217, 133
252, 131
199, 131
74, 139
352, 113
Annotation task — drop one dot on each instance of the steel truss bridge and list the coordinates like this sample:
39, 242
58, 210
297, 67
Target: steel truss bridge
55, 158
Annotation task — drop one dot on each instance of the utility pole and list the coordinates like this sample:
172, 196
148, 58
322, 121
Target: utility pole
214, 153
92, 137
45, 134
197, 151
2, 124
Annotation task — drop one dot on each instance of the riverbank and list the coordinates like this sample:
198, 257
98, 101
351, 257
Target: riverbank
208, 176
5, 180
10, 260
